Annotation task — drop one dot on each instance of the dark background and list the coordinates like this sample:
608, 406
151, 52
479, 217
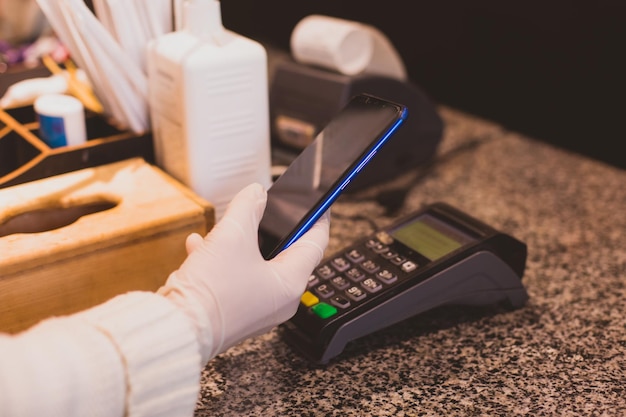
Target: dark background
552, 70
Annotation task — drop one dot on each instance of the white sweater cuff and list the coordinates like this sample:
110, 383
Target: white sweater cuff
160, 351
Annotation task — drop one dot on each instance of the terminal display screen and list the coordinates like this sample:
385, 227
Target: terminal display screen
430, 237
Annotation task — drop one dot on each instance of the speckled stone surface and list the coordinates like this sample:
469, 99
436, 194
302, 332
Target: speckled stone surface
562, 354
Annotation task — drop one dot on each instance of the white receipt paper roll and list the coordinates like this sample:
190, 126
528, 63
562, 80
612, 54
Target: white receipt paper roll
61, 120
345, 46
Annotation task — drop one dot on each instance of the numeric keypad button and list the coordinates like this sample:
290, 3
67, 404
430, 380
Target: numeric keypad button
340, 263
409, 266
355, 274
324, 291
386, 276
355, 255
340, 301
325, 272
370, 266
355, 293
340, 282
397, 260
313, 281
371, 285
376, 246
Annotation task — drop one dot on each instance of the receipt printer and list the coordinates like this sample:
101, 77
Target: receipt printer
304, 98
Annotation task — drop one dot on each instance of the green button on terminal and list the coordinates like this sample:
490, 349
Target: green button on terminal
324, 310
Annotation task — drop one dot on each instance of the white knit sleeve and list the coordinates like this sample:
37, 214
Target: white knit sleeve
135, 355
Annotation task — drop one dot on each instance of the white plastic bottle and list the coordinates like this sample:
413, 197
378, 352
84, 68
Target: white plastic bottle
209, 106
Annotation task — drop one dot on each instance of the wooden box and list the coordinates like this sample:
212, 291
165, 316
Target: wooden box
74, 240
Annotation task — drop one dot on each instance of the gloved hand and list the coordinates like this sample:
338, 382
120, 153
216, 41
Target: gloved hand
226, 287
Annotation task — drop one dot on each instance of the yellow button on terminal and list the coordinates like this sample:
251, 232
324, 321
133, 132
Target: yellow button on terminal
308, 299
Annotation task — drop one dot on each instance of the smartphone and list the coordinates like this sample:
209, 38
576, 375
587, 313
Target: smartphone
318, 175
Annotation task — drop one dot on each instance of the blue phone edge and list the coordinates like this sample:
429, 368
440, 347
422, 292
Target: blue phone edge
315, 216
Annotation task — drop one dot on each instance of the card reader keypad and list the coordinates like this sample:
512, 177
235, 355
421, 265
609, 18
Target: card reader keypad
346, 280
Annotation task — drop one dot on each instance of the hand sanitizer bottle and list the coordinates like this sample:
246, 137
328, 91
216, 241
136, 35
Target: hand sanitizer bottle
209, 106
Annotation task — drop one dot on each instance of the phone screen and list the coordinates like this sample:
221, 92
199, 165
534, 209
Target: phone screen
316, 177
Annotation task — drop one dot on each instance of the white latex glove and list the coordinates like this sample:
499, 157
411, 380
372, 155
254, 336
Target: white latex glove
228, 289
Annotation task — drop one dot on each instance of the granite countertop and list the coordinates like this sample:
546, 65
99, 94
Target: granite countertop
563, 353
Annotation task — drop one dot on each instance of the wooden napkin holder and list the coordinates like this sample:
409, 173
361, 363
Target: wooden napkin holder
74, 240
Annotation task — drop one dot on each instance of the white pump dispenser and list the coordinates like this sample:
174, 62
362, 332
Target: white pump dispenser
209, 106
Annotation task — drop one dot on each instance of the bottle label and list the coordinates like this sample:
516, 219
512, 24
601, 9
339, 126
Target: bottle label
52, 131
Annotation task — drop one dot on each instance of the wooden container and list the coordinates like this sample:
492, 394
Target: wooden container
74, 240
